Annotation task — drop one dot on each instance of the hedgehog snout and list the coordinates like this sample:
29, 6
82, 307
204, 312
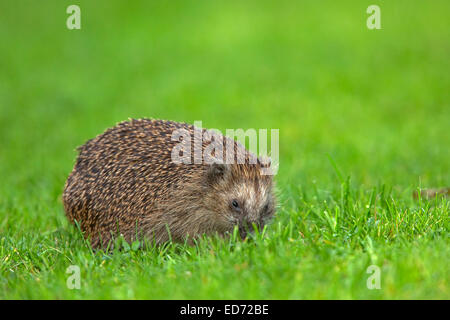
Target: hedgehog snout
246, 225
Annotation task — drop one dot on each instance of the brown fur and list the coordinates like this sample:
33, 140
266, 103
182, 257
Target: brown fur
124, 181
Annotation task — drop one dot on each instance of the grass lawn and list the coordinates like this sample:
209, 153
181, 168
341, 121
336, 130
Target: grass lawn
363, 116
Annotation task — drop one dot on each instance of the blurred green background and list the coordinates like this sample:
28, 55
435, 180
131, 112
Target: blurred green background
375, 101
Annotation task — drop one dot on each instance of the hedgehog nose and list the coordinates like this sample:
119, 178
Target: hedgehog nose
247, 223
242, 232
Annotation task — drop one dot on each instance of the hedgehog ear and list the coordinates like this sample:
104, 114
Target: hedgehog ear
217, 172
264, 161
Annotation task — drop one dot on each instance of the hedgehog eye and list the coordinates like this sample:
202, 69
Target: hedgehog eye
235, 204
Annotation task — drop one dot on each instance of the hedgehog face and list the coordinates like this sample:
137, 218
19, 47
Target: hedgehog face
240, 196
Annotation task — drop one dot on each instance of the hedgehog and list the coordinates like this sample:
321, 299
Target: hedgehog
127, 182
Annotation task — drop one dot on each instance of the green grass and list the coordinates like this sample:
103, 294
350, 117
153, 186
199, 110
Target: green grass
363, 118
